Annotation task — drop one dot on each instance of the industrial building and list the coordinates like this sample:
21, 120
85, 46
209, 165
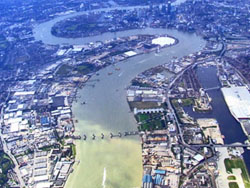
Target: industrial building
238, 101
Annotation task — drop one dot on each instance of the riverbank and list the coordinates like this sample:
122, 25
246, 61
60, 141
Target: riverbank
118, 75
116, 90
106, 99
227, 123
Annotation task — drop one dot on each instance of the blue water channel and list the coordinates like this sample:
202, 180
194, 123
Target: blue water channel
229, 127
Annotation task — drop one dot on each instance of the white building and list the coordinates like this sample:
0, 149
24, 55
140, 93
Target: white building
238, 101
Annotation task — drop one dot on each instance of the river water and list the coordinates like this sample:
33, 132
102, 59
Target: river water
42, 31
115, 163
229, 127
106, 110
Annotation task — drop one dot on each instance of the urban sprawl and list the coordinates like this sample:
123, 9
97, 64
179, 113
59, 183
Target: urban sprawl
39, 83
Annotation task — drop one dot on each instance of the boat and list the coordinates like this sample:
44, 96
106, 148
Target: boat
111, 135
84, 137
82, 103
110, 73
157, 50
117, 69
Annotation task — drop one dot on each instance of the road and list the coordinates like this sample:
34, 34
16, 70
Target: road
222, 146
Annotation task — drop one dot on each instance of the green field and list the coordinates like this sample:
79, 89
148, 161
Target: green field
5, 165
73, 148
231, 178
238, 163
143, 117
85, 68
150, 121
233, 185
64, 70
137, 83
187, 102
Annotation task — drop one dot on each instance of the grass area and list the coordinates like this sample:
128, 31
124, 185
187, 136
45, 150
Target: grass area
72, 27
73, 149
238, 163
184, 102
233, 185
187, 102
178, 108
175, 103
64, 70
231, 178
143, 117
137, 83
150, 122
85, 68
5, 165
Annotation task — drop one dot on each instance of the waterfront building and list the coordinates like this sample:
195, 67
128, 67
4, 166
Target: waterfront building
238, 101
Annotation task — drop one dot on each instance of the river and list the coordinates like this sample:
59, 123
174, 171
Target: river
42, 31
117, 162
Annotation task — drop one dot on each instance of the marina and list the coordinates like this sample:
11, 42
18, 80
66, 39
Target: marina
229, 126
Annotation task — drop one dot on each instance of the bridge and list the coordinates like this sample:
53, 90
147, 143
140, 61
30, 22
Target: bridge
212, 88
134, 133
110, 135
222, 145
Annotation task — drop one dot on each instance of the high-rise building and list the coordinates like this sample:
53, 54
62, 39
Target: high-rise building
169, 7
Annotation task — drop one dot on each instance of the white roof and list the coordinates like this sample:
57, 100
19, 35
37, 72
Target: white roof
14, 127
130, 53
43, 185
12, 102
15, 120
60, 52
162, 41
41, 178
198, 157
238, 101
20, 106
21, 93
19, 113
24, 172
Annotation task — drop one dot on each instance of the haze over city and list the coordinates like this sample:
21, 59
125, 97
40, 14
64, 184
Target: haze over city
124, 94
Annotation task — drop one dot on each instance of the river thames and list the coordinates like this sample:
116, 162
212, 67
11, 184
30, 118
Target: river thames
106, 110
117, 162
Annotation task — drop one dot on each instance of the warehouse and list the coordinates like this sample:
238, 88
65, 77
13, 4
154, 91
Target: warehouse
238, 101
